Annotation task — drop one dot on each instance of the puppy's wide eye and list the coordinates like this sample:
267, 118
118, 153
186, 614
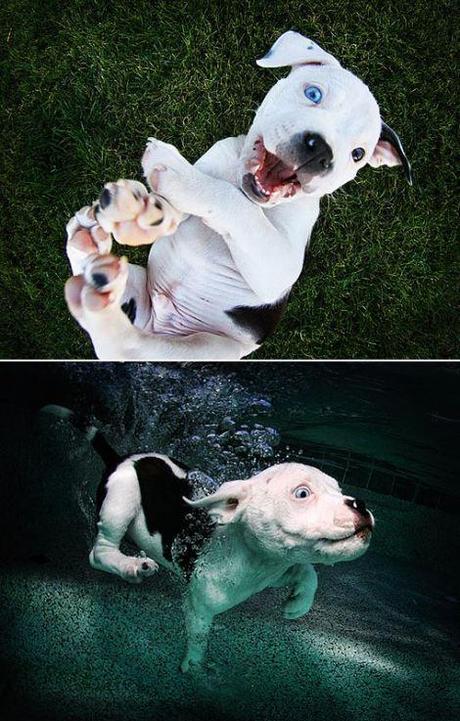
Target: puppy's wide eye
358, 154
313, 93
302, 492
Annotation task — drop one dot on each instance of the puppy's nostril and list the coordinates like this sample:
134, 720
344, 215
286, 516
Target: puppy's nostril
145, 566
312, 141
316, 152
105, 198
356, 504
360, 506
99, 279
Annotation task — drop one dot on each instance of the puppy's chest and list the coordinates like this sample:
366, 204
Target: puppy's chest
193, 282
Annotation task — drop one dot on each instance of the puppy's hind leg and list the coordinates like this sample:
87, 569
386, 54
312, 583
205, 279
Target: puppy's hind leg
120, 507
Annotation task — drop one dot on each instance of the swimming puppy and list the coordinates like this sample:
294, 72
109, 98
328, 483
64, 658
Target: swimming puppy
248, 535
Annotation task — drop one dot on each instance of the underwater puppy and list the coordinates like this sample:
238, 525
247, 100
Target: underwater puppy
248, 535
231, 230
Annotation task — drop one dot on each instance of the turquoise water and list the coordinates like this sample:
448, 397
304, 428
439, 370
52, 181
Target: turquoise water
380, 641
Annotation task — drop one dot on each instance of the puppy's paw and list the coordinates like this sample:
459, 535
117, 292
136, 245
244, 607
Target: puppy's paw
123, 200
134, 216
138, 569
160, 156
170, 174
84, 238
106, 273
191, 664
99, 287
297, 606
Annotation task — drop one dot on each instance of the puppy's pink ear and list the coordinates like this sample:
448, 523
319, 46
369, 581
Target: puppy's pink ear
294, 49
227, 504
389, 151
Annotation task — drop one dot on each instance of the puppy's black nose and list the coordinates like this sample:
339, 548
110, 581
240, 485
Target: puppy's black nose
318, 154
357, 505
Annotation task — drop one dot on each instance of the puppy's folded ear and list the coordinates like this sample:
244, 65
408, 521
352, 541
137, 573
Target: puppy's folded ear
294, 49
227, 504
389, 151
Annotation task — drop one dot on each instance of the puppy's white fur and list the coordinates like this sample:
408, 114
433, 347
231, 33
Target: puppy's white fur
216, 248
270, 530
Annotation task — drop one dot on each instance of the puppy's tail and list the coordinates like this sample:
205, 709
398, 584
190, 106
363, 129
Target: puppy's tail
110, 457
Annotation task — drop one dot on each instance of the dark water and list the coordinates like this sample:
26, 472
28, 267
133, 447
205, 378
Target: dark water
380, 641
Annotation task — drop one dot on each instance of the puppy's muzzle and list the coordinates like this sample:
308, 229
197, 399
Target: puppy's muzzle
315, 154
363, 518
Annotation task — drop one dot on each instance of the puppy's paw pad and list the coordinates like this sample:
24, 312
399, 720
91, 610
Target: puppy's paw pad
85, 236
137, 569
106, 273
147, 567
119, 202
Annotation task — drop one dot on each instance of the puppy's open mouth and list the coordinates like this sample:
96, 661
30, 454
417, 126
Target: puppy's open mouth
269, 175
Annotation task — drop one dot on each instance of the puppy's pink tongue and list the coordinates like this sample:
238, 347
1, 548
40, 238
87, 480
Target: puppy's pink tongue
275, 172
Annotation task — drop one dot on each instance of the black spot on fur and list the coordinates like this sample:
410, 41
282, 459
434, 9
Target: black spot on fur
260, 320
161, 493
105, 199
183, 530
99, 279
181, 465
130, 309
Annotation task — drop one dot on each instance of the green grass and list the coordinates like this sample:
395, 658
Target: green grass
84, 83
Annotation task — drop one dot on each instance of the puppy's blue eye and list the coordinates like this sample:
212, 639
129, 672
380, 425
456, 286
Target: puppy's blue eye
302, 492
313, 93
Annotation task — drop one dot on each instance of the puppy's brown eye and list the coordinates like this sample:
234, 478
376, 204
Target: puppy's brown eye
302, 492
358, 154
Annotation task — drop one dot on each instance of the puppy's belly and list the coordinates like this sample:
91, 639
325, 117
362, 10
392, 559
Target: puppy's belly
193, 281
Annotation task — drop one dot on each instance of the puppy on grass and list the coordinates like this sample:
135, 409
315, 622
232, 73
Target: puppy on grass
229, 233
248, 535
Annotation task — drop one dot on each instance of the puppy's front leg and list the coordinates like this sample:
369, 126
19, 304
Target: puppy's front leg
266, 257
198, 622
303, 582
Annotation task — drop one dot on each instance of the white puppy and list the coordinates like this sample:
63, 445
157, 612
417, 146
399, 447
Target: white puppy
231, 231
249, 535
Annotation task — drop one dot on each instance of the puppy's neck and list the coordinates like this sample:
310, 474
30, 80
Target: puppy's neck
235, 543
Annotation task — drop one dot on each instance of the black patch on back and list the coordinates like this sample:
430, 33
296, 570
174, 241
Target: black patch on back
130, 308
183, 530
161, 494
259, 320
